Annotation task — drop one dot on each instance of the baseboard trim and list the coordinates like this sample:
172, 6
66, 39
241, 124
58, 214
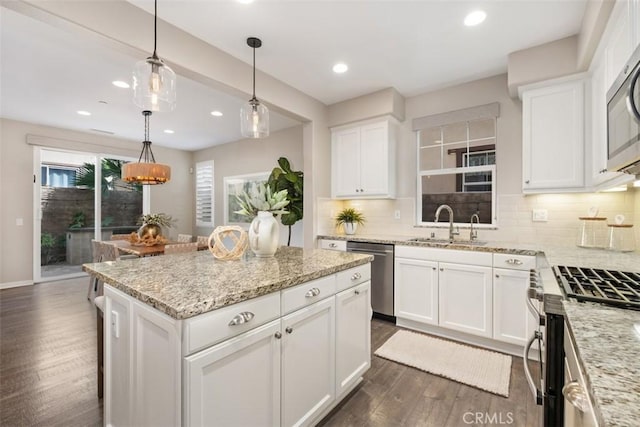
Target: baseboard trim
16, 284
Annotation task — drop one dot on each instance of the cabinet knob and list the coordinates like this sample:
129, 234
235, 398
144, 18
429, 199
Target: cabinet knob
357, 191
526, 182
603, 170
356, 276
497, 276
241, 318
278, 335
357, 292
441, 269
361, 190
288, 329
313, 292
434, 269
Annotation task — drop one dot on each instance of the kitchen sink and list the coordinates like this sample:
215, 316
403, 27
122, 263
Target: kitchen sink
447, 242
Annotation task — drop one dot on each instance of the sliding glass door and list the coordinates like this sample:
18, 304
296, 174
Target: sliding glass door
76, 202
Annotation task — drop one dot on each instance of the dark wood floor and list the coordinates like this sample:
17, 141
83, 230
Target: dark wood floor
48, 373
48, 356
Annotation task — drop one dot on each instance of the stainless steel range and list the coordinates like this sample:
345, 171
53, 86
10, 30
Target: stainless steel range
610, 287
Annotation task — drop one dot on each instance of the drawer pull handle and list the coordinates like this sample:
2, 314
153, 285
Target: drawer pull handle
289, 329
241, 318
332, 245
513, 261
278, 335
356, 276
574, 393
357, 292
313, 292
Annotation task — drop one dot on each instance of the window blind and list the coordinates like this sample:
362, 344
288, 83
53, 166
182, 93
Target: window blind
204, 194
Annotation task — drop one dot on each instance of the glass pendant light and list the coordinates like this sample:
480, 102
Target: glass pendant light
154, 82
146, 171
254, 116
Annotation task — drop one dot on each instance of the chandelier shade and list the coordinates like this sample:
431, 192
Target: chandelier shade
146, 171
154, 82
254, 116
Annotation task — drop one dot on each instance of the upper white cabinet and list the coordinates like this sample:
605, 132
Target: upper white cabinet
553, 117
620, 38
363, 160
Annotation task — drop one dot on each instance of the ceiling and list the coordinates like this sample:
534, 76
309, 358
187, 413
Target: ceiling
414, 46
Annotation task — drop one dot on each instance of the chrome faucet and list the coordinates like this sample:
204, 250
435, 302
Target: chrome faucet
473, 234
448, 208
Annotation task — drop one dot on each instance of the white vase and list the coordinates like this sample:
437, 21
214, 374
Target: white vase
264, 235
350, 227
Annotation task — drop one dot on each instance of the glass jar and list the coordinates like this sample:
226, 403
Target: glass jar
592, 233
621, 238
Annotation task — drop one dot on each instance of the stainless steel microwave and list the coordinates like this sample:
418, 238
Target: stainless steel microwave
623, 119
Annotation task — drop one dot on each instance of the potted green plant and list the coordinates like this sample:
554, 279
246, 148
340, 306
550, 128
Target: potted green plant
349, 218
151, 224
285, 178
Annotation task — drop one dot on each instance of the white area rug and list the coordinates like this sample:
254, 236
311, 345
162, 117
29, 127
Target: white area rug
483, 369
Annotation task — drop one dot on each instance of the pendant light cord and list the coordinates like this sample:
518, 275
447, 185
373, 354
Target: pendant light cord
155, 27
254, 72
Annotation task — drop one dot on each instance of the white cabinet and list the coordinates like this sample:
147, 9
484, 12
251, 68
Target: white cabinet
215, 390
619, 39
512, 322
353, 336
465, 302
553, 117
308, 362
416, 290
363, 160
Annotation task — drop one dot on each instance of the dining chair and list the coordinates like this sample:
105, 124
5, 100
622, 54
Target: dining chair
101, 252
203, 241
180, 248
120, 236
185, 238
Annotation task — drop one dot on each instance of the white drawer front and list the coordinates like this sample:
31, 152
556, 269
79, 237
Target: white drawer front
308, 293
218, 325
514, 262
445, 255
354, 276
334, 245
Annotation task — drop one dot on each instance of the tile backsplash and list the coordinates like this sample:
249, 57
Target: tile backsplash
515, 222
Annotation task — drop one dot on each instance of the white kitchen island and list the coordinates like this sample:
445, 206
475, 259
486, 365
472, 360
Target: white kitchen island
190, 340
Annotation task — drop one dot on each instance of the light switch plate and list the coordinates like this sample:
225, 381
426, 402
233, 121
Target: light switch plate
396, 214
540, 215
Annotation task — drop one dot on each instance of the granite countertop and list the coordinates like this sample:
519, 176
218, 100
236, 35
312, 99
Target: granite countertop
608, 347
185, 285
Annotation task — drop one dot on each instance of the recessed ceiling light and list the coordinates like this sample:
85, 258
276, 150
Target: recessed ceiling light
340, 68
168, 131
216, 113
120, 83
474, 18
83, 113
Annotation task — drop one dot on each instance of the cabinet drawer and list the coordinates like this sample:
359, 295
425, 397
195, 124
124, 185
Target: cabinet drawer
334, 245
211, 328
445, 255
354, 276
308, 293
514, 262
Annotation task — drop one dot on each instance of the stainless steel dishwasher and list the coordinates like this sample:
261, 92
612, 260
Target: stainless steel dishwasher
381, 276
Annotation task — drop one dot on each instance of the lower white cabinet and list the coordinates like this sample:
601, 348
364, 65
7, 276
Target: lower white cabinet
353, 336
512, 322
214, 390
308, 362
465, 302
286, 371
416, 290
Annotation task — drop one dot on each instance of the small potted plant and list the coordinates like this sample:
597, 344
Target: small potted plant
151, 224
349, 218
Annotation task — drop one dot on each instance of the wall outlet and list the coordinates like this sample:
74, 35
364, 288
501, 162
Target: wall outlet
396, 214
540, 215
19, 222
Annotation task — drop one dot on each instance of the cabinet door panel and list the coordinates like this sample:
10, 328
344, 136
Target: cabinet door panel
416, 290
346, 162
237, 382
512, 321
308, 362
553, 137
353, 335
465, 298
374, 159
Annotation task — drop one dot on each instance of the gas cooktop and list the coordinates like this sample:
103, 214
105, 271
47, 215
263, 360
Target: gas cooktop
617, 288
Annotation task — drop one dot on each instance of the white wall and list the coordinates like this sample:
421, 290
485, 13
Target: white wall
249, 156
16, 193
